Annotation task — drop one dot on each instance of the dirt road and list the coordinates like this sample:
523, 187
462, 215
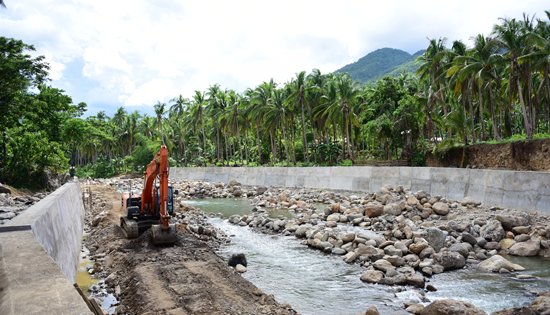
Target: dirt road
188, 278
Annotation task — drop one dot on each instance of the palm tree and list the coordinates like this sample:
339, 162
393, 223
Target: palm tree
539, 42
511, 37
346, 100
298, 96
235, 117
215, 110
481, 64
131, 127
196, 112
432, 69
178, 108
260, 98
160, 110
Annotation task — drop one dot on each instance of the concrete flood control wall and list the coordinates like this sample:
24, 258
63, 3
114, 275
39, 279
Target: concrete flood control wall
39, 254
512, 189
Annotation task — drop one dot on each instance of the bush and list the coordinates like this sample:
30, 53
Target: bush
30, 156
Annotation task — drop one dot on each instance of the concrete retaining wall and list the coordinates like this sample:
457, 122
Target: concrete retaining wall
512, 189
39, 254
57, 223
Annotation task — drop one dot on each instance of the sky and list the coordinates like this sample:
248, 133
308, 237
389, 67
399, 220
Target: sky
135, 53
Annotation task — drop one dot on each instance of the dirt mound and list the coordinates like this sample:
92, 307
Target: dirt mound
187, 278
520, 155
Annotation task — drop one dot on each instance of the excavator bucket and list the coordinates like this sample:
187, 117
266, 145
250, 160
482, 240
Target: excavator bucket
164, 237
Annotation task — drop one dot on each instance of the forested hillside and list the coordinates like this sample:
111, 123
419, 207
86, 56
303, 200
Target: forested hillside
379, 63
496, 89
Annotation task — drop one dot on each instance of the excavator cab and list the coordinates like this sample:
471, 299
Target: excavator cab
154, 207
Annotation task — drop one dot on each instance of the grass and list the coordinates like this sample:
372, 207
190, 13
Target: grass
514, 138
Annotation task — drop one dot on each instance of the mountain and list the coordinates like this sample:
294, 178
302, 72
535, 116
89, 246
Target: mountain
381, 62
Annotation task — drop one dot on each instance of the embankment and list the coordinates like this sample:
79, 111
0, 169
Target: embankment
39, 256
533, 155
513, 189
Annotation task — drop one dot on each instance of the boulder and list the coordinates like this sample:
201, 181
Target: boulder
492, 231
416, 280
541, 304
350, 257
412, 201
415, 308
4, 190
529, 248
497, 262
237, 259
418, 245
240, 268
469, 238
506, 243
372, 310
450, 260
334, 217
451, 307
395, 260
393, 209
509, 222
301, 231
522, 238
374, 210
338, 251
261, 190
467, 201
463, 248
392, 251
521, 229
233, 183
436, 238
372, 276
384, 265
348, 237
440, 208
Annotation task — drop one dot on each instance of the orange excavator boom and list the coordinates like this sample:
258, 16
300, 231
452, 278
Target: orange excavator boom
155, 204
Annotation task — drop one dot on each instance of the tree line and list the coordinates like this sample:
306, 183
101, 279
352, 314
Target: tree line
497, 89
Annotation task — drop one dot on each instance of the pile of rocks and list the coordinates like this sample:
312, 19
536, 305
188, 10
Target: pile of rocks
401, 237
11, 206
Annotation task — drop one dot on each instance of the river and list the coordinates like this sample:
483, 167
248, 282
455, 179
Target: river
316, 283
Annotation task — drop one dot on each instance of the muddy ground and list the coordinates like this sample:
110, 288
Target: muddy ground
187, 278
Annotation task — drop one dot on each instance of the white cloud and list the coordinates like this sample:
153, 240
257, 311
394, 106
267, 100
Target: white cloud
135, 52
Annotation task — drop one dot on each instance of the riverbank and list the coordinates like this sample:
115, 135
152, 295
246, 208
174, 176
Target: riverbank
526, 155
188, 278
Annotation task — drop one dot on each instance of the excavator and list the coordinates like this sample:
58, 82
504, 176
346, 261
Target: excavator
154, 207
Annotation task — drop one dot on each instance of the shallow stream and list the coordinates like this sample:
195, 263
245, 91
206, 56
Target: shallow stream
315, 283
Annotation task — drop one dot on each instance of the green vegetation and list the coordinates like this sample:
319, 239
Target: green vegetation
379, 63
498, 89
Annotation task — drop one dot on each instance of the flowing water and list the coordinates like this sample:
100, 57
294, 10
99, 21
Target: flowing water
85, 281
315, 283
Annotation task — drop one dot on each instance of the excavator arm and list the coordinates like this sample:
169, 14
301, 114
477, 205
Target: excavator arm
157, 168
153, 203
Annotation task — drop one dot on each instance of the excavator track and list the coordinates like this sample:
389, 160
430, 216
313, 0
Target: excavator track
130, 227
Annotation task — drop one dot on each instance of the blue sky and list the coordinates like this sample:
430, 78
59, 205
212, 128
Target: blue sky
133, 53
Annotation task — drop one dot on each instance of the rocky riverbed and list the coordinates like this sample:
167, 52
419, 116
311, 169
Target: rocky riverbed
13, 202
400, 238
